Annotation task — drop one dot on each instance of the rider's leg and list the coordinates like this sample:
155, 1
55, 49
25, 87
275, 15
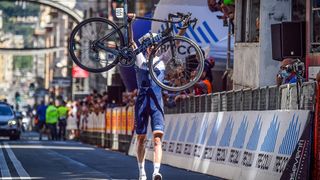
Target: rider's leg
157, 139
141, 152
157, 125
141, 124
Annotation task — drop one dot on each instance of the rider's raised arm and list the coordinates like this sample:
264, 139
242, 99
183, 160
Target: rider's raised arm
182, 31
131, 17
166, 56
140, 59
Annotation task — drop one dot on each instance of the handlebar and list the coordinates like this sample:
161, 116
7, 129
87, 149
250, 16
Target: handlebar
192, 22
186, 18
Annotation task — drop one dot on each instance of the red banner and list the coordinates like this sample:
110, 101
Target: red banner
77, 72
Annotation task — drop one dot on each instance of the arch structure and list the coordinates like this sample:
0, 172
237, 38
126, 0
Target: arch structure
30, 51
59, 6
35, 51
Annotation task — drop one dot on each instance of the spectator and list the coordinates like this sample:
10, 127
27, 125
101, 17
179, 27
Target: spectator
105, 99
52, 119
72, 125
209, 63
96, 106
41, 115
169, 98
63, 115
204, 86
227, 7
85, 114
286, 74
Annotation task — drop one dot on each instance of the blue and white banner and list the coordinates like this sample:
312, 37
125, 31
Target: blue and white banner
209, 33
231, 145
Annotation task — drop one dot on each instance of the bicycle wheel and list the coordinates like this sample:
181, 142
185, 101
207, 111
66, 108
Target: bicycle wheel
182, 61
83, 44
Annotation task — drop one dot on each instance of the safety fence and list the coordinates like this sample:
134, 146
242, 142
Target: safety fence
113, 128
258, 99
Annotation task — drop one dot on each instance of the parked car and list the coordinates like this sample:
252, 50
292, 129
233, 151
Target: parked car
10, 124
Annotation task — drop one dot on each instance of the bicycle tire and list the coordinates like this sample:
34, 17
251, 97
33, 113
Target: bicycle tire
93, 56
171, 70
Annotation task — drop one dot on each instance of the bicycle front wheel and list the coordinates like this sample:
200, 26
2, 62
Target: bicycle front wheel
83, 44
181, 61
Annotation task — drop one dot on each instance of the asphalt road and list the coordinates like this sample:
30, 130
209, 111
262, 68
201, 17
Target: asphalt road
29, 158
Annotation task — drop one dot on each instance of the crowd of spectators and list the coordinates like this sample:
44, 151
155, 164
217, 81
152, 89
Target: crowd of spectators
95, 102
99, 102
227, 8
203, 86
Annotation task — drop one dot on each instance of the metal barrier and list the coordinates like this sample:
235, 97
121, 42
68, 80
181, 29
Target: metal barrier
316, 131
116, 129
259, 99
111, 129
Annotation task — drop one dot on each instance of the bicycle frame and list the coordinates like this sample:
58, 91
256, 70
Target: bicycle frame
144, 45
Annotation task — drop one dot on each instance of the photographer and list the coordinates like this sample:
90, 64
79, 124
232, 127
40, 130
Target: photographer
287, 73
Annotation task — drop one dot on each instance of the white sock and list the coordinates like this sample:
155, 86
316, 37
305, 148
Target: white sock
141, 169
156, 168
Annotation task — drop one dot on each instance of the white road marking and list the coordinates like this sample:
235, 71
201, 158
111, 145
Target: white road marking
16, 163
12, 178
5, 172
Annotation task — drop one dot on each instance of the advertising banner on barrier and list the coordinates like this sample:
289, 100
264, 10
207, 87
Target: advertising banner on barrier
100, 125
88, 122
298, 165
123, 120
232, 145
108, 120
116, 120
130, 119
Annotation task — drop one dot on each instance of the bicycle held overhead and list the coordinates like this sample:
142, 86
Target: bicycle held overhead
98, 44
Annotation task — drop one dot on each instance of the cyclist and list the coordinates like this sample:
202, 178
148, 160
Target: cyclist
148, 103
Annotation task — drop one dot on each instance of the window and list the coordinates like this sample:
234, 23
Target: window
85, 14
249, 24
5, 110
298, 10
315, 26
79, 84
90, 12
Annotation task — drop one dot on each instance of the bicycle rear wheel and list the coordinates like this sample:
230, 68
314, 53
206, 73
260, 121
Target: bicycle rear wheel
83, 44
182, 61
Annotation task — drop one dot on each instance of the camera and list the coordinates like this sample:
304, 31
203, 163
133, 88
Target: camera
298, 67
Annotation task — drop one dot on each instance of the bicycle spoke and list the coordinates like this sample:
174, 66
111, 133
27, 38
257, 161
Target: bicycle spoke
91, 30
99, 31
181, 70
85, 32
86, 50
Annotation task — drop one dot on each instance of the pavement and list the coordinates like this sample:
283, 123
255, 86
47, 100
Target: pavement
29, 158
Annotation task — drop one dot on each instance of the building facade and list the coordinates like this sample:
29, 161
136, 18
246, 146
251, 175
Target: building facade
253, 46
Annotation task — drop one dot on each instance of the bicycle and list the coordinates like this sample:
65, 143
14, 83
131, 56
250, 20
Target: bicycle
97, 45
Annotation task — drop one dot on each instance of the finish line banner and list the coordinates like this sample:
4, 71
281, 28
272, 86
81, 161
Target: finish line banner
232, 145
